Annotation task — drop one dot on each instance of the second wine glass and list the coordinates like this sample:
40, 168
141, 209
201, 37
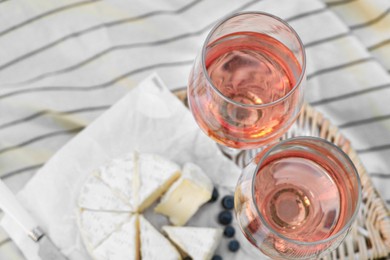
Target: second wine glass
246, 87
298, 198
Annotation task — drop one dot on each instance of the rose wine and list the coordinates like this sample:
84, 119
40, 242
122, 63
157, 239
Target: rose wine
301, 197
248, 69
298, 198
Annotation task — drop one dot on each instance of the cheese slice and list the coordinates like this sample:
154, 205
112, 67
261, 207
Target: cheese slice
198, 243
156, 176
119, 174
186, 195
96, 195
154, 245
96, 226
121, 244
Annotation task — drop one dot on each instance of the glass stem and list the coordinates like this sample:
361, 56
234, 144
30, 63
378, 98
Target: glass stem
240, 157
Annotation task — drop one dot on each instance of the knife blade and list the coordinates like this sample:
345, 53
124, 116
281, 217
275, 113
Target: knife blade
11, 206
48, 251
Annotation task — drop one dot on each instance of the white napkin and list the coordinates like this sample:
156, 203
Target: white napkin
148, 119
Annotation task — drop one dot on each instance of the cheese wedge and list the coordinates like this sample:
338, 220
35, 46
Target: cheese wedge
198, 243
119, 175
186, 195
96, 226
96, 195
156, 176
121, 244
155, 246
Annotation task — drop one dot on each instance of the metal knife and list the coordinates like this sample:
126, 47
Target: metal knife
11, 206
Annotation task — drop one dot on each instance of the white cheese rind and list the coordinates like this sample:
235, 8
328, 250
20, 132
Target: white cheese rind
121, 244
119, 174
135, 185
185, 196
155, 246
193, 172
156, 176
96, 195
198, 243
96, 226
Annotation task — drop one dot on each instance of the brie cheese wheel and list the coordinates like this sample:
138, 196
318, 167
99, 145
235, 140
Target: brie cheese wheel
198, 243
119, 175
155, 246
96, 226
113, 195
156, 175
186, 195
96, 195
121, 244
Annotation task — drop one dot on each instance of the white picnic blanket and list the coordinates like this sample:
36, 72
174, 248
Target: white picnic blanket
63, 63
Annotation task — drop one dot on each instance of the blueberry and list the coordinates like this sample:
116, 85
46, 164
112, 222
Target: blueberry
228, 202
214, 195
229, 231
216, 257
225, 217
234, 246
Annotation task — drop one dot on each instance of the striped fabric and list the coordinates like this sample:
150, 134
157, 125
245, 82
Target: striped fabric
62, 63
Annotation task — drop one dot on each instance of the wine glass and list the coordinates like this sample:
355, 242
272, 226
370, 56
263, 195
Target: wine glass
246, 86
297, 199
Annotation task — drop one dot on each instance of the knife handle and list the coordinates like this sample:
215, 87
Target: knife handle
11, 206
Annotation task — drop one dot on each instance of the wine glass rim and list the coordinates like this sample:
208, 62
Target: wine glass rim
333, 236
228, 17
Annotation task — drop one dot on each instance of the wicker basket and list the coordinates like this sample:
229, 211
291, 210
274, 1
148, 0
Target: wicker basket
370, 234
